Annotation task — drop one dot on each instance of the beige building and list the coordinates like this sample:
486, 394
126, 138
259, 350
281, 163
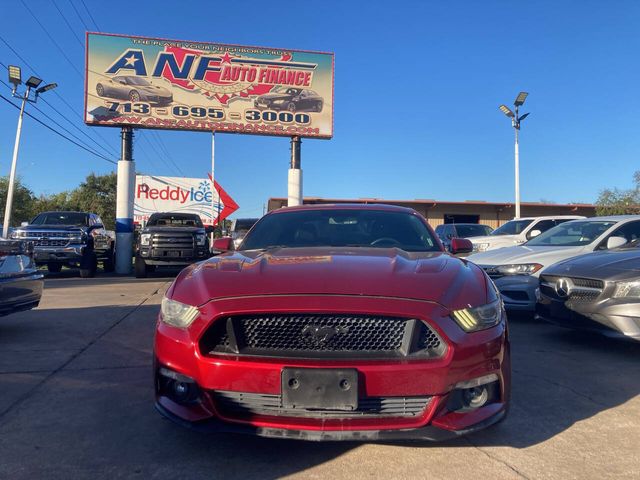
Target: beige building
470, 211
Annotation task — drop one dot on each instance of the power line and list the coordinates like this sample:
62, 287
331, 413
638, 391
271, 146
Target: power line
92, 152
68, 24
165, 151
67, 119
90, 16
53, 40
86, 27
55, 92
156, 151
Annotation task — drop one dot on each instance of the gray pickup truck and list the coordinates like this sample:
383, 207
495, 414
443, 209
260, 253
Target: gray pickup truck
170, 240
74, 239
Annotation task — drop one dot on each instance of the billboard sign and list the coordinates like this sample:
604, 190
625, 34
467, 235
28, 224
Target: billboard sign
183, 195
171, 84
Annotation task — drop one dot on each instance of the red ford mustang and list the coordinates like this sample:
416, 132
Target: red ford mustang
334, 322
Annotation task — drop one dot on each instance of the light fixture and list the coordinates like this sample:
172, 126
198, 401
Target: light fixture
15, 75
507, 111
46, 88
522, 96
33, 82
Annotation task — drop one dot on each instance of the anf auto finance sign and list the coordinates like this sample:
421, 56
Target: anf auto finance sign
181, 195
171, 84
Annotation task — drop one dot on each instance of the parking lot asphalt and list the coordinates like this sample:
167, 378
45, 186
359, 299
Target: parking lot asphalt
76, 401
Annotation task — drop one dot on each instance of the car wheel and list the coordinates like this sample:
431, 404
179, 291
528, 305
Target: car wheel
100, 90
141, 268
108, 264
88, 265
134, 96
291, 107
54, 267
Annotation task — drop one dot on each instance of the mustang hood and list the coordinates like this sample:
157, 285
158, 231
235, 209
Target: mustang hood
388, 272
621, 264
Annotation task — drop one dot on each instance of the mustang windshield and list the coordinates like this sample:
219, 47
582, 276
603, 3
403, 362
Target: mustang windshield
341, 228
514, 227
571, 234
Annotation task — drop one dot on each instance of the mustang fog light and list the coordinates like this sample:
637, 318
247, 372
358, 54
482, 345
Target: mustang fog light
475, 393
179, 388
475, 397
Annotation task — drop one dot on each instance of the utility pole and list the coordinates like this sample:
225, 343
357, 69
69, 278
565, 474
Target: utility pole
295, 174
124, 203
15, 77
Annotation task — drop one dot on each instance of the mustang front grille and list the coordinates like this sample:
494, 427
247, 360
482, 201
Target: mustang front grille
321, 336
241, 403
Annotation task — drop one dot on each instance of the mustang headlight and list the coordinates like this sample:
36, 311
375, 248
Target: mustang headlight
518, 269
479, 318
201, 238
626, 289
177, 314
145, 239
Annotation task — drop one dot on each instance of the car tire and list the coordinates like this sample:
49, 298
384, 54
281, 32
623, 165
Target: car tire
108, 264
291, 107
88, 265
54, 267
141, 268
134, 96
100, 90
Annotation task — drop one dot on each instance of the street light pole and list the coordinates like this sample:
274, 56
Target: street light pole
15, 77
12, 175
517, 169
516, 119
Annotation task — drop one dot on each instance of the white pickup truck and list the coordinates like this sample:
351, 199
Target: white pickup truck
518, 231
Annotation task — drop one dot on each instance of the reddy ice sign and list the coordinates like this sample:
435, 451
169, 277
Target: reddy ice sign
182, 195
171, 84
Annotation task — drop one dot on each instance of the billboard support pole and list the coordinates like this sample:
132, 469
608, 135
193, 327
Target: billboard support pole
124, 203
213, 183
295, 174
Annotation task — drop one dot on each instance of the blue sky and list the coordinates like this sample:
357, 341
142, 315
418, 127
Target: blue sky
417, 89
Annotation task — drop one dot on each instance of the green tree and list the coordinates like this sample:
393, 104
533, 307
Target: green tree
23, 207
620, 202
97, 194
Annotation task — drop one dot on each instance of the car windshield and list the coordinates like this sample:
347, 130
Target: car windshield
286, 90
468, 231
138, 81
514, 227
62, 218
175, 221
571, 234
341, 228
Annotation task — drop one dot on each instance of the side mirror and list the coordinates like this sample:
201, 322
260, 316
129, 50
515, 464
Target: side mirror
534, 233
209, 229
460, 245
24, 224
614, 242
223, 244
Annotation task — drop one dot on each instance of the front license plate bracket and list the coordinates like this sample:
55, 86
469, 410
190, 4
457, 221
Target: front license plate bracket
320, 388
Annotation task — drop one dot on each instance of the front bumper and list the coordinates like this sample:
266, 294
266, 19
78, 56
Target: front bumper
428, 433
468, 356
518, 291
611, 317
68, 254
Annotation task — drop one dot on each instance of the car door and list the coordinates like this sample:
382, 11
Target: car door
630, 231
542, 225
